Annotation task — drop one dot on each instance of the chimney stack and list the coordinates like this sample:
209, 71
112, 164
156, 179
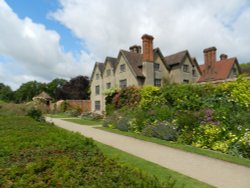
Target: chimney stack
147, 44
210, 60
223, 56
135, 49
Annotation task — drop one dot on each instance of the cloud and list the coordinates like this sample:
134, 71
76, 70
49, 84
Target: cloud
107, 26
35, 52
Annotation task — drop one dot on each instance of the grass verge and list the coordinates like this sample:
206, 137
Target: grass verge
84, 121
34, 154
208, 153
163, 174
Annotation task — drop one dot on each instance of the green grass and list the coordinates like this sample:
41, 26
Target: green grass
34, 154
208, 153
84, 121
163, 174
59, 115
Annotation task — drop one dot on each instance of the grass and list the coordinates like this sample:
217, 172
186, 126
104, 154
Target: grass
163, 174
34, 154
208, 153
85, 121
59, 115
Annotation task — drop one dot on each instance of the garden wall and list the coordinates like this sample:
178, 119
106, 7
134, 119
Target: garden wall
84, 105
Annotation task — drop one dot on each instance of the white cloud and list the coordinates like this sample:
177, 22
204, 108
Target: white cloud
107, 26
104, 27
35, 51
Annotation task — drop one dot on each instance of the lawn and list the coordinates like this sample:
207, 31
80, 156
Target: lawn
208, 153
34, 154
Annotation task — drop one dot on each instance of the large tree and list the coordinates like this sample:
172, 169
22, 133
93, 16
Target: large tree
54, 85
6, 94
28, 90
76, 88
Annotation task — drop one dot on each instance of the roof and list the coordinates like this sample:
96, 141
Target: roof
113, 61
222, 70
43, 95
176, 58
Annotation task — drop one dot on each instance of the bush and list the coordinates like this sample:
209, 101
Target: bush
36, 114
74, 112
164, 130
122, 124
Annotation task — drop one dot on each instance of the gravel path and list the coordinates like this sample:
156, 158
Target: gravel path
212, 171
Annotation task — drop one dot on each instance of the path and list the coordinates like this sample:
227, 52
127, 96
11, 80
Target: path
212, 171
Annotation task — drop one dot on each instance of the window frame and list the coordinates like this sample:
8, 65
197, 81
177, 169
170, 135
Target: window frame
97, 75
185, 68
97, 90
157, 82
121, 84
108, 85
156, 67
97, 105
122, 68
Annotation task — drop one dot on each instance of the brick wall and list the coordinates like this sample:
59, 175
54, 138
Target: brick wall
84, 105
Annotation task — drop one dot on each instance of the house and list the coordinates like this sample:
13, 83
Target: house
223, 69
139, 67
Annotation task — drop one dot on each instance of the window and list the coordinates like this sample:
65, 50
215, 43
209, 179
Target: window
122, 68
97, 90
186, 81
108, 72
194, 72
108, 85
234, 71
123, 83
97, 105
185, 68
97, 76
156, 67
158, 82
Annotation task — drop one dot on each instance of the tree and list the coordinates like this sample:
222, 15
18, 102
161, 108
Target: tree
28, 90
54, 85
76, 88
245, 68
6, 94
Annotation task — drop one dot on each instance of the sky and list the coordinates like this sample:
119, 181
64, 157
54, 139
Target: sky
46, 39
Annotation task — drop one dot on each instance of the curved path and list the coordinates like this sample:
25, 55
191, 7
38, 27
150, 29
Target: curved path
212, 171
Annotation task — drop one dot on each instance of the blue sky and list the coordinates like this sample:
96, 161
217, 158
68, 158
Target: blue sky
38, 11
47, 39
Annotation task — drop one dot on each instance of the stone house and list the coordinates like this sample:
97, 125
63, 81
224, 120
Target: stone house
218, 70
139, 67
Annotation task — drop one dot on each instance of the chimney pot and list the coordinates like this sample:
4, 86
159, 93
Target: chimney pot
147, 43
223, 56
135, 49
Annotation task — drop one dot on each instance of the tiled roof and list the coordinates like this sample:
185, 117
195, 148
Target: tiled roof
176, 58
113, 61
100, 66
135, 62
43, 95
222, 70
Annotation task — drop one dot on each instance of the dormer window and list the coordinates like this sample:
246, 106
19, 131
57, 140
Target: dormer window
194, 72
97, 76
122, 68
108, 72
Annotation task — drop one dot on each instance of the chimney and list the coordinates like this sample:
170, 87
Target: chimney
147, 44
210, 60
223, 56
135, 49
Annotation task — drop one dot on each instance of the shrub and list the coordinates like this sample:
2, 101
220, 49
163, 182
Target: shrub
122, 124
164, 130
36, 114
74, 112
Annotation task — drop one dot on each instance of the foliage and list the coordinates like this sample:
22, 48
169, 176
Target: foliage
36, 114
36, 154
6, 94
126, 97
28, 90
209, 116
76, 88
55, 85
